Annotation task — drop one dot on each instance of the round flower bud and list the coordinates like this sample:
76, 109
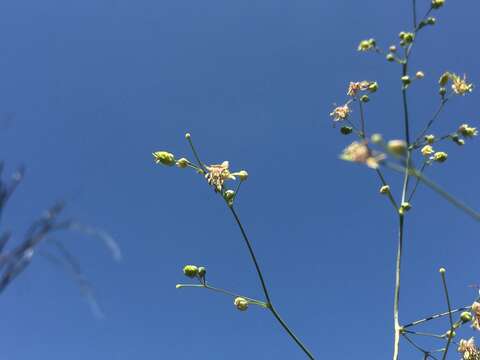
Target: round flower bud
431, 21
466, 317
182, 163
242, 175
385, 189
376, 138
450, 334
202, 271
408, 37
406, 80
427, 150
430, 139
420, 75
398, 147
405, 206
229, 195
392, 48
401, 35
241, 303
372, 87
442, 270
442, 91
164, 158
345, 130
190, 270
390, 57
187, 136
364, 98
436, 4
440, 156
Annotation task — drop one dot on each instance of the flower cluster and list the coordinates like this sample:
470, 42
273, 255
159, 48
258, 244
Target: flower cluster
460, 86
468, 349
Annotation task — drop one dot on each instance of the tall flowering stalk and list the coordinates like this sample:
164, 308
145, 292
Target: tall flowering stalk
219, 176
401, 155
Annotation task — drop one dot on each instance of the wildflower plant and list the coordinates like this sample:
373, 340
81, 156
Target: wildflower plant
403, 156
408, 156
222, 180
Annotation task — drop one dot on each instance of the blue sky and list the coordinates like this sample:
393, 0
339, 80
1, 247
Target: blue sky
95, 86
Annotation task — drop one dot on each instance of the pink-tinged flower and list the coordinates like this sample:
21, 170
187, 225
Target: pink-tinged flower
359, 152
355, 87
468, 349
340, 113
476, 315
217, 174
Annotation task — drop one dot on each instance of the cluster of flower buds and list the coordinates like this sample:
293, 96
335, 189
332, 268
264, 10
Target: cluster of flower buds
367, 45
193, 271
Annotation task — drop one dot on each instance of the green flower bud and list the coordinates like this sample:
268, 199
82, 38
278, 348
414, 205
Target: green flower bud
402, 34
376, 138
450, 334
442, 91
345, 130
406, 80
467, 130
466, 316
442, 271
392, 48
190, 270
372, 87
431, 21
366, 45
390, 57
436, 4
430, 139
229, 195
164, 158
241, 303
202, 271
405, 207
444, 78
440, 156
420, 75
187, 136
397, 147
408, 37
182, 163
385, 189
242, 175
364, 98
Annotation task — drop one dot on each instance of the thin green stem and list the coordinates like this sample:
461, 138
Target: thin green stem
362, 120
223, 291
396, 301
389, 194
455, 202
417, 181
450, 334
420, 333
436, 316
200, 163
264, 287
430, 122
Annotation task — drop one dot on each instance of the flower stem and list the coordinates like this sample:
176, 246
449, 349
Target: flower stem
264, 287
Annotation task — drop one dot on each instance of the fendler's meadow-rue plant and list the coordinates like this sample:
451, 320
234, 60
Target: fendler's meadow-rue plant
219, 176
402, 155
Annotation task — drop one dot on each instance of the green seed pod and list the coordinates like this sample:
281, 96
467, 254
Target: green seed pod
164, 157
390, 57
202, 271
346, 130
190, 271
466, 316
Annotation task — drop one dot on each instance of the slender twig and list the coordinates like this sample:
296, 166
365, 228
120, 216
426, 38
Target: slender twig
264, 286
436, 316
417, 181
454, 201
396, 300
450, 334
430, 122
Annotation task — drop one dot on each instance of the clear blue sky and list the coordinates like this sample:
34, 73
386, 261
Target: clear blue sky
96, 85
